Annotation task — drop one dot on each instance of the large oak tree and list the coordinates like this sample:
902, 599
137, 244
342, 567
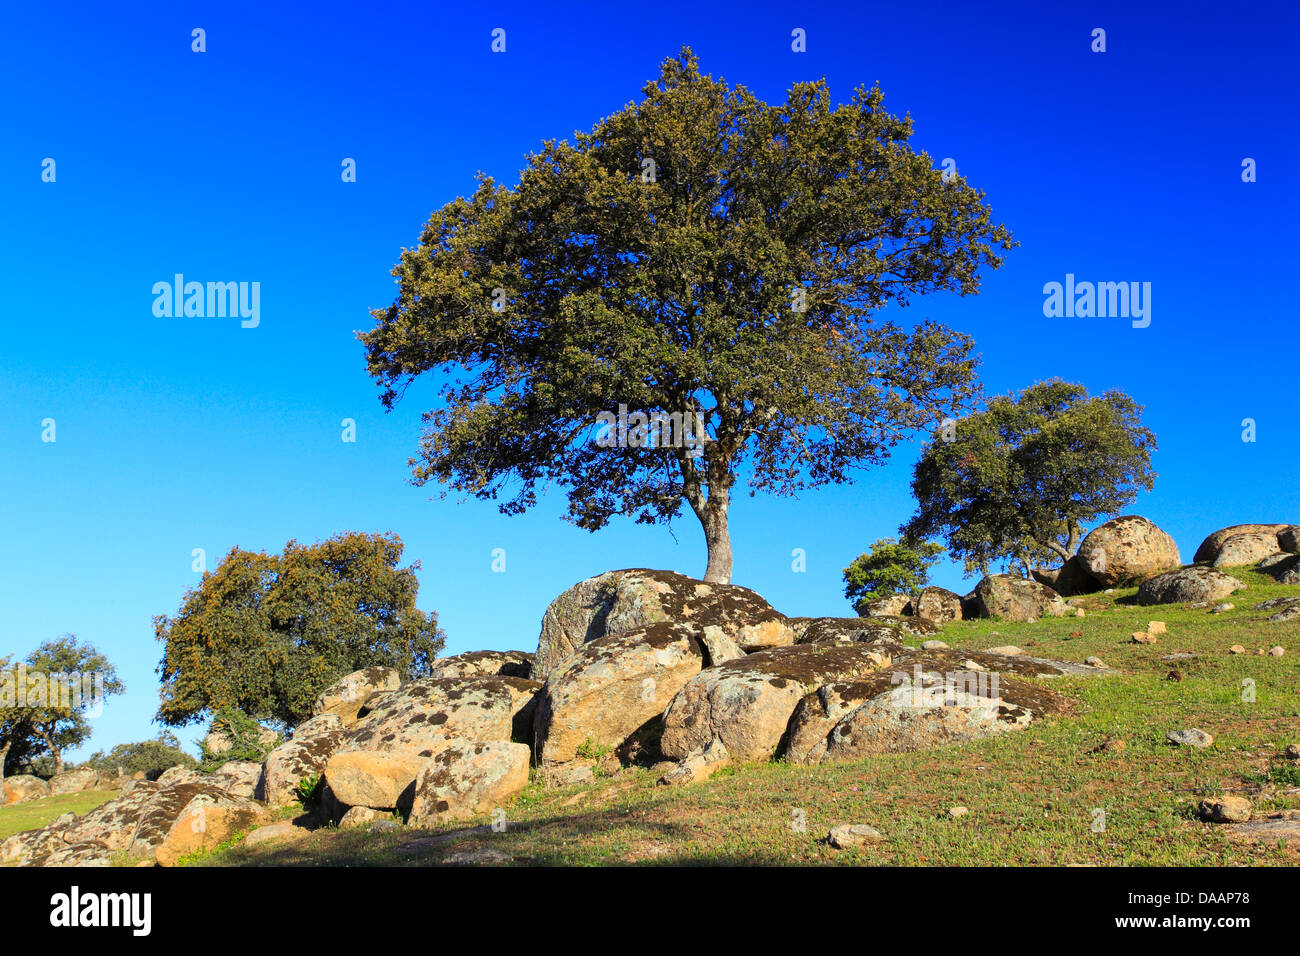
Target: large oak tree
700, 252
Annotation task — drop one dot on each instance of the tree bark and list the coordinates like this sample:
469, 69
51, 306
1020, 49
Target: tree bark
4, 755
58, 757
718, 539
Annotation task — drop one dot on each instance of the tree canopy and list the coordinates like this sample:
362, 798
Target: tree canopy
1017, 482
699, 254
266, 633
889, 567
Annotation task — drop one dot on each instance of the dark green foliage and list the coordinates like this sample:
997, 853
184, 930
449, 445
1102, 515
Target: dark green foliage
265, 634
309, 791
248, 739
698, 253
889, 567
1017, 482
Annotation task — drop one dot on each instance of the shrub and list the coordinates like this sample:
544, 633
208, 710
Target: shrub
890, 567
247, 739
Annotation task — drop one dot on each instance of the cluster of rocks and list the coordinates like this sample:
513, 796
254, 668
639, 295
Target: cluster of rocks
1132, 550
23, 787
658, 668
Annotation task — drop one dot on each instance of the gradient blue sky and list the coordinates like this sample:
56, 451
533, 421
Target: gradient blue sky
174, 434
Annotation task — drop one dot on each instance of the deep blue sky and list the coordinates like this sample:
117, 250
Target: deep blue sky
174, 433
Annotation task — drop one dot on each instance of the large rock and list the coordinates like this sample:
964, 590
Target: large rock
136, 824
467, 779
114, 823
237, 777
1013, 598
179, 774
217, 742
1288, 539
746, 703
1250, 547
618, 601
485, 664
911, 624
369, 778
1286, 570
1069, 580
298, 758
207, 821
74, 781
1210, 547
1188, 585
349, 694
938, 604
427, 714
612, 687
892, 605
24, 787
1127, 550
854, 630
933, 701
158, 816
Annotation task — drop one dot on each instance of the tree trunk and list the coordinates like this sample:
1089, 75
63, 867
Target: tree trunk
58, 756
4, 755
718, 539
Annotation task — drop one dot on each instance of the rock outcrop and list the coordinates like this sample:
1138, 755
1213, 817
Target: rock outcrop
346, 698
1013, 598
1127, 550
485, 664
932, 702
427, 714
746, 704
613, 686
618, 601
467, 779
1188, 585
938, 604
24, 787
298, 758
1208, 552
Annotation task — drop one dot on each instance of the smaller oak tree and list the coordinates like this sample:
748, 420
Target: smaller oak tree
267, 633
1017, 482
889, 567
46, 703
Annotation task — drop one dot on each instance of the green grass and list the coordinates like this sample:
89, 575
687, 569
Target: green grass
36, 813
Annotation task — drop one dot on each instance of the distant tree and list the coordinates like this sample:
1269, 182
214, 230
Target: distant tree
1018, 482
143, 757
711, 265
46, 705
889, 567
266, 633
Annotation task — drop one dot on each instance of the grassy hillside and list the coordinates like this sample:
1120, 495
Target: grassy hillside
1031, 795
36, 813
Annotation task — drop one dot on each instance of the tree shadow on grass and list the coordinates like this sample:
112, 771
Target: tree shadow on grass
546, 842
